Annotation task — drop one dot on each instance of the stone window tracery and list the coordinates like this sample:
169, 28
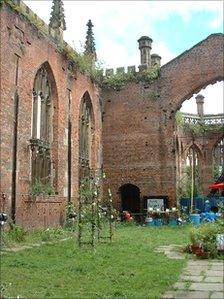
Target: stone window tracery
85, 137
218, 159
41, 128
191, 173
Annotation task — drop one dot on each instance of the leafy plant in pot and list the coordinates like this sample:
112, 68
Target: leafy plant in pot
195, 245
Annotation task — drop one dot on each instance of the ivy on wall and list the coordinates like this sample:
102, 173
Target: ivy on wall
85, 63
118, 80
197, 129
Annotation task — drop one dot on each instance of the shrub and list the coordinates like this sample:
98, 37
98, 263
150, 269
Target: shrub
16, 233
50, 234
205, 235
38, 188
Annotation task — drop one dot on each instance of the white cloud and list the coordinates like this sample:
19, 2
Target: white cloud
217, 22
118, 25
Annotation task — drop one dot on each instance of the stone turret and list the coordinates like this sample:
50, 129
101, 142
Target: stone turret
57, 20
200, 105
145, 47
155, 60
90, 49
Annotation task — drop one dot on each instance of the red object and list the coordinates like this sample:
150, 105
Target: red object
127, 216
217, 186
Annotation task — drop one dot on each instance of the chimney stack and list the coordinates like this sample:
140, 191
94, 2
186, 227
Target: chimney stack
145, 47
200, 105
155, 60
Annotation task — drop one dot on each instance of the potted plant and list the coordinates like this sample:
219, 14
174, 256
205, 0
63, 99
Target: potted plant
157, 217
173, 216
194, 240
195, 216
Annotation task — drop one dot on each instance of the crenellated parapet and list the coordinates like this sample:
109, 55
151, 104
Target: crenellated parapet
148, 61
131, 69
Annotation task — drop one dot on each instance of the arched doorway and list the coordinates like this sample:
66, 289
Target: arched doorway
130, 198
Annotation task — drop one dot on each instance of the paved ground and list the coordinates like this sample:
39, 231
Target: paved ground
201, 279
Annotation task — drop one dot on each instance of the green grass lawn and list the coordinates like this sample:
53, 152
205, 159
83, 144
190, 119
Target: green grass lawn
129, 267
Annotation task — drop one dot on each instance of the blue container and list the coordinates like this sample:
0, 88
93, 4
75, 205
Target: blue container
173, 222
195, 219
158, 222
211, 216
149, 222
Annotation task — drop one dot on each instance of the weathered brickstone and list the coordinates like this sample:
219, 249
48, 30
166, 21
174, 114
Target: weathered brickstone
137, 141
138, 128
21, 38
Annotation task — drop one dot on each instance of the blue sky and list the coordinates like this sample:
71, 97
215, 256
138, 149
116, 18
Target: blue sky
174, 26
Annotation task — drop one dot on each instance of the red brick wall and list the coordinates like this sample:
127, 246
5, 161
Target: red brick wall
138, 126
19, 37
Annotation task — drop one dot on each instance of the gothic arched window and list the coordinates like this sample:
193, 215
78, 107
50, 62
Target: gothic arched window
41, 127
191, 173
218, 159
85, 137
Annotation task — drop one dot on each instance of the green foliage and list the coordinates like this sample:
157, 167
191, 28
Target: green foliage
86, 190
221, 208
16, 233
51, 234
150, 75
205, 235
17, 236
199, 129
118, 80
70, 210
83, 62
38, 188
179, 119
184, 190
110, 270
194, 235
216, 172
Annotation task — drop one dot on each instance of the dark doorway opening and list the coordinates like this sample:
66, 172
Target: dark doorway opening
130, 198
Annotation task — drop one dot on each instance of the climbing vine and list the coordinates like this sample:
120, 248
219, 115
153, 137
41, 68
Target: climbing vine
118, 80
199, 128
85, 63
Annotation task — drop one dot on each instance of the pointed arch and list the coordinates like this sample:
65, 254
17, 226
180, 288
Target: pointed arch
191, 172
203, 65
86, 136
44, 127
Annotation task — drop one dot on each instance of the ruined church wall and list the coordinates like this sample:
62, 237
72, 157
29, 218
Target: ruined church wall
20, 38
139, 121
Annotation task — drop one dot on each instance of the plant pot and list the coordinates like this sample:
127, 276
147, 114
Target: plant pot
195, 219
195, 247
202, 254
149, 221
220, 242
173, 222
158, 222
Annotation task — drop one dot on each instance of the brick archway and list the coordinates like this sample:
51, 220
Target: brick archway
180, 78
139, 120
192, 71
